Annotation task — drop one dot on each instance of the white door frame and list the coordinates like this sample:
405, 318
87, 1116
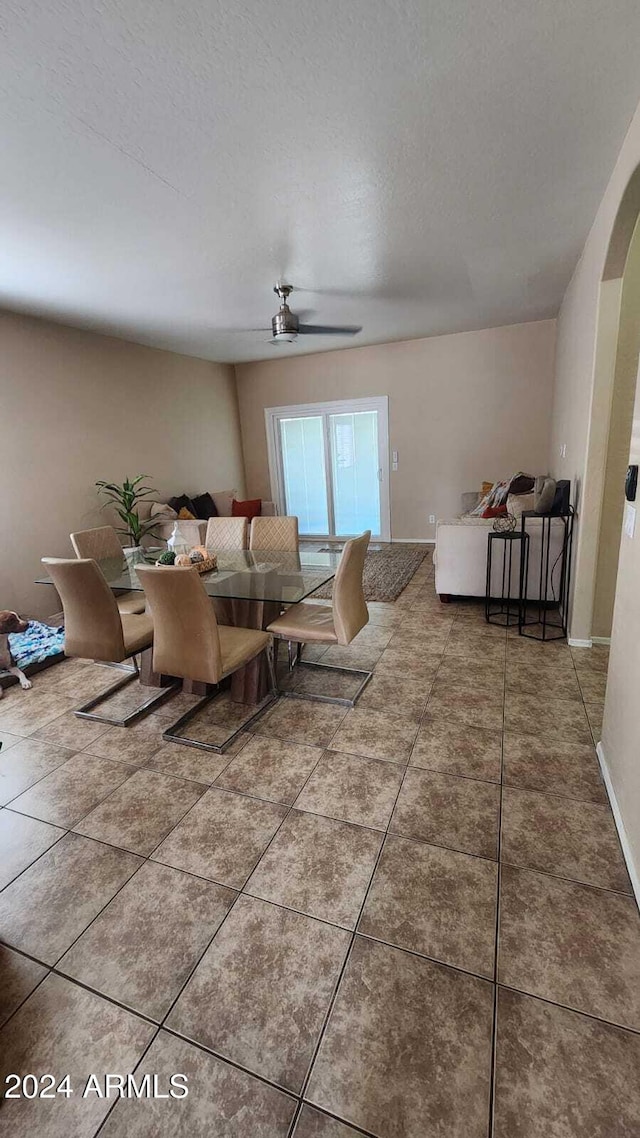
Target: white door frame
379, 403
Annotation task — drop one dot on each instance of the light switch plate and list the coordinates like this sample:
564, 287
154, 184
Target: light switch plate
629, 519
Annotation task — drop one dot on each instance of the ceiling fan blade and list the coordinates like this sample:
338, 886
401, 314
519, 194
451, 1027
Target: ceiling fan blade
328, 330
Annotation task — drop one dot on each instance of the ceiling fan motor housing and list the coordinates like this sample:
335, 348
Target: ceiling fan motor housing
285, 324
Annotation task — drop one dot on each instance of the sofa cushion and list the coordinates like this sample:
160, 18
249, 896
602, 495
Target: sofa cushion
162, 510
544, 493
249, 509
223, 502
182, 501
517, 504
521, 483
205, 506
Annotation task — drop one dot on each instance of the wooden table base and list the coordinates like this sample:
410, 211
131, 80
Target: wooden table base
149, 678
251, 683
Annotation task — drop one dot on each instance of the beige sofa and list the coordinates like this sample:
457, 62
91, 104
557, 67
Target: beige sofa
194, 532
460, 556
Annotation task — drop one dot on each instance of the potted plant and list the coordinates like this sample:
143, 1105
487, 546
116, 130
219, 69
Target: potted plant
124, 500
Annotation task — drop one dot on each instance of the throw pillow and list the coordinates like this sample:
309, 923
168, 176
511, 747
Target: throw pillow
494, 511
249, 509
223, 500
162, 510
544, 493
182, 500
517, 504
521, 483
185, 515
486, 488
205, 506
497, 496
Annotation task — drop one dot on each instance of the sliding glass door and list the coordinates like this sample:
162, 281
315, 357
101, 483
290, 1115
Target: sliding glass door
329, 466
302, 449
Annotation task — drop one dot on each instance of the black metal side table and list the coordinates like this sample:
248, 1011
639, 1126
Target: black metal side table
545, 617
506, 609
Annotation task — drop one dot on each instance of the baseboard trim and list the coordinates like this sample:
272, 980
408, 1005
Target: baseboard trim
617, 817
573, 643
601, 639
415, 540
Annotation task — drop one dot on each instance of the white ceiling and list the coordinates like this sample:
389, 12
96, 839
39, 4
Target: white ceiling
418, 166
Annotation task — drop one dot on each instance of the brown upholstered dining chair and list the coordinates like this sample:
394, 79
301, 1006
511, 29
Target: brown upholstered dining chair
274, 533
320, 624
102, 544
226, 533
95, 630
189, 642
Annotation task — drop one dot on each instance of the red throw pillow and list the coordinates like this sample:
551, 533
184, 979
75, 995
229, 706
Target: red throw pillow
249, 509
494, 511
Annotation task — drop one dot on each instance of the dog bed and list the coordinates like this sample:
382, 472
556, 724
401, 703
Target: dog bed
39, 647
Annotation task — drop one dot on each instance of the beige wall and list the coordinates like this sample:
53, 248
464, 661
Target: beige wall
583, 371
578, 417
462, 409
621, 726
617, 459
75, 407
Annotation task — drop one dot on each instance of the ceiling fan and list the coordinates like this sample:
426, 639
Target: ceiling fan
285, 326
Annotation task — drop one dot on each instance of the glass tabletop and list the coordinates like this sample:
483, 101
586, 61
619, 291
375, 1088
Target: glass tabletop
241, 575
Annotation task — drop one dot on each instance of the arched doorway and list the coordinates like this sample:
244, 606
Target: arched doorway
613, 442
625, 372
614, 384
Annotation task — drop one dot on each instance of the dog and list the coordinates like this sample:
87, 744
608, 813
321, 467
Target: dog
10, 622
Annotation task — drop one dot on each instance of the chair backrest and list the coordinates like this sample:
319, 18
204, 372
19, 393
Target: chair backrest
226, 533
92, 624
274, 533
350, 612
100, 543
185, 631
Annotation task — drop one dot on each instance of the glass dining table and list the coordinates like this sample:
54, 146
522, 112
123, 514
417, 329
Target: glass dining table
270, 577
249, 589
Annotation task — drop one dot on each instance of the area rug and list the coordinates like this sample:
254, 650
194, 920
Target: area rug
387, 571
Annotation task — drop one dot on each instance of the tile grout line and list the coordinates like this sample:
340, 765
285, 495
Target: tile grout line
597, 743
65, 826
494, 1028
148, 858
348, 954
161, 1025
345, 962
240, 892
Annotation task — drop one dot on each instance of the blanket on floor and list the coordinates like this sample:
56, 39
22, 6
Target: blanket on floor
36, 644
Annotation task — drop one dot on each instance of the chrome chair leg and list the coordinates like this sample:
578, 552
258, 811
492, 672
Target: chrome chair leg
173, 733
295, 662
149, 705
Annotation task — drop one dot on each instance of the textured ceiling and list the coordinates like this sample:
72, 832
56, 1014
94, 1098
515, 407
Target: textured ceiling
415, 166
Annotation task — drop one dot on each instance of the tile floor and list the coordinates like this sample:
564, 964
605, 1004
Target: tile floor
407, 920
